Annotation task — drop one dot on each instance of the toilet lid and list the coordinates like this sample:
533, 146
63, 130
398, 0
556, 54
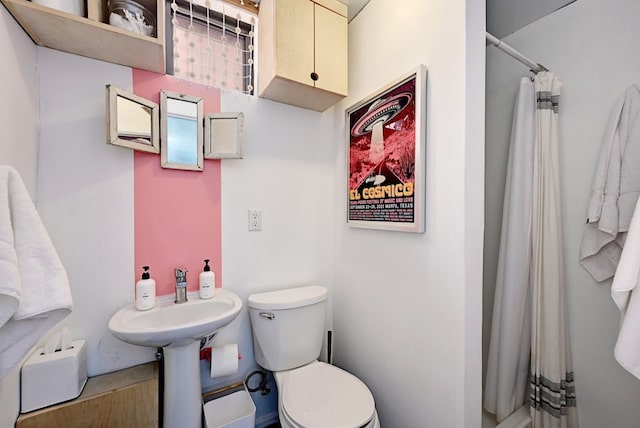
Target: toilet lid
322, 395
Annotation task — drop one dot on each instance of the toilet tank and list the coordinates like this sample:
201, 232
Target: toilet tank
288, 326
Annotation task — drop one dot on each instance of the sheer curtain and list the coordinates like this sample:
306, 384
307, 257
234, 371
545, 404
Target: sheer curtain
213, 44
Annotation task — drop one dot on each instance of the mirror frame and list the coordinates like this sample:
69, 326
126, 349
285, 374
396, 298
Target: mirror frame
113, 92
211, 151
164, 151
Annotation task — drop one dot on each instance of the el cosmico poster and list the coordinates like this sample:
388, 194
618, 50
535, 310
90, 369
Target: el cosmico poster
382, 156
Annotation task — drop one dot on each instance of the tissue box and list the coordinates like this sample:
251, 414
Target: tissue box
55, 377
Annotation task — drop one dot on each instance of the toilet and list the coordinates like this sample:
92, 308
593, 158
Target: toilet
288, 329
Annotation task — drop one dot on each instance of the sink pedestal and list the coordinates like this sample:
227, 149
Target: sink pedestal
182, 389
178, 329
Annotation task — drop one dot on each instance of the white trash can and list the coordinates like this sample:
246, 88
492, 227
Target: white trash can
235, 410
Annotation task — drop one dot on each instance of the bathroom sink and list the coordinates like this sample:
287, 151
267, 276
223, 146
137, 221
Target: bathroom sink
175, 324
177, 328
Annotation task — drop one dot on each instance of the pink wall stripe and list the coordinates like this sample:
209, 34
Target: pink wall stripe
177, 213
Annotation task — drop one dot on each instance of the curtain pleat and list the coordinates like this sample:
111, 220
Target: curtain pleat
508, 362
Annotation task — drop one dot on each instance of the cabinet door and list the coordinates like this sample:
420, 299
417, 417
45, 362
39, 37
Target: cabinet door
331, 50
294, 40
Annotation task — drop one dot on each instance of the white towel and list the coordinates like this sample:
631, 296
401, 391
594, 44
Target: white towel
615, 190
627, 298
34, 288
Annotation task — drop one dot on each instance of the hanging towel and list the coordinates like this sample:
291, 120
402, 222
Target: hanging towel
34, 288
625, 293
615, 190
510, 344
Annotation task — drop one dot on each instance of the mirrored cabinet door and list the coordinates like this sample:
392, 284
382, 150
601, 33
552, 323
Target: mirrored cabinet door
224, 136
132, 121
181, 130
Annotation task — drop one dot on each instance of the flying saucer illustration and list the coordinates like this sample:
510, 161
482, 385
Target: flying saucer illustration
379, 113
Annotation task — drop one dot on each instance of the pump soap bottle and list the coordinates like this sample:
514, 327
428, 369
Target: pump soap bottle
145, 291
207, 282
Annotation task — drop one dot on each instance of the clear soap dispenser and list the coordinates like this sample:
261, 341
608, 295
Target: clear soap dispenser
145, 291
207, 281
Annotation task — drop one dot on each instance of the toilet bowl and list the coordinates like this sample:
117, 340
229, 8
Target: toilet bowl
322, 395
288, 329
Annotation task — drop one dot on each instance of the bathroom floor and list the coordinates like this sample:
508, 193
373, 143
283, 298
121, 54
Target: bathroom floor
488, 420
519, 419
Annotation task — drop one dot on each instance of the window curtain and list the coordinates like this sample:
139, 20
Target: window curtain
213, 44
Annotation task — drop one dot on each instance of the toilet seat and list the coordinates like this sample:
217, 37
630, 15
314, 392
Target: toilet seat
322, 395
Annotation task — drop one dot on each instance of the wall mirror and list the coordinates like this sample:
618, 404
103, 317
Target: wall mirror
224, 136
181, 131
132, 121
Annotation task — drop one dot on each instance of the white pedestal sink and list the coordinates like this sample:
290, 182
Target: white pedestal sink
178, 329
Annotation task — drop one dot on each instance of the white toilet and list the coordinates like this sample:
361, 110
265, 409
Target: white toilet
288, 328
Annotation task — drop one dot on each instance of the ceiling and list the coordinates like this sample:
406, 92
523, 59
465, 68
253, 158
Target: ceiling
354, 6
507, 16
503, 16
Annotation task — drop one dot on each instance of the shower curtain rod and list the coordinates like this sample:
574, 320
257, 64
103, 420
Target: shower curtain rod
533, 66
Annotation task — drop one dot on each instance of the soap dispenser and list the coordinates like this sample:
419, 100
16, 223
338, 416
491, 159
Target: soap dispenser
207, 281
145, 291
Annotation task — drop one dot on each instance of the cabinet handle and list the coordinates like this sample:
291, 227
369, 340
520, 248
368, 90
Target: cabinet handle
314, 76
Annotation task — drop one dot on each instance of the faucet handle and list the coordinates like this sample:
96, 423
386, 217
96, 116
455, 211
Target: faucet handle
181, 273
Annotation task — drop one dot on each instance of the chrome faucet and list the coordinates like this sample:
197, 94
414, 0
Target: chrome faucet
181, 285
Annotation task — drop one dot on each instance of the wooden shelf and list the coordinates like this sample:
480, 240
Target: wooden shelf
91, 38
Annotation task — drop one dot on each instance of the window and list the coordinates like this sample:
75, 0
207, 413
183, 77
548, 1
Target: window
209, 46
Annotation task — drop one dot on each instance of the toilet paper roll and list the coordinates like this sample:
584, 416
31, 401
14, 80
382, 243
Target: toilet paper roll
224, 360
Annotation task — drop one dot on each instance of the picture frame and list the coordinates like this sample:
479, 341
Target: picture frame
386, 147
132, 121
224, 136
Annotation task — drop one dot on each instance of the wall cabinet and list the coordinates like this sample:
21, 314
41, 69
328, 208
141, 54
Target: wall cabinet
91, 36
303, 52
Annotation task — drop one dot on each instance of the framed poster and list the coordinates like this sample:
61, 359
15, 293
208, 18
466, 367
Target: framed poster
386, 156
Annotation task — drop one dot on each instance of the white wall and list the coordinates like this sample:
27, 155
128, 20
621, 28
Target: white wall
19, 108
407, 306
287, 172
18, 145
590, 46
86, 200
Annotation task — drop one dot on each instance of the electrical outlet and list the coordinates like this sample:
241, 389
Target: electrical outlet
255, 220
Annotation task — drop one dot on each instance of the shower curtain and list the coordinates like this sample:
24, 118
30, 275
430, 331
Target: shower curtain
529, 332
508, 363
552, 392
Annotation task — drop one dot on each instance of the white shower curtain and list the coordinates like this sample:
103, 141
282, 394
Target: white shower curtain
508, 363
529, 334
552, 391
